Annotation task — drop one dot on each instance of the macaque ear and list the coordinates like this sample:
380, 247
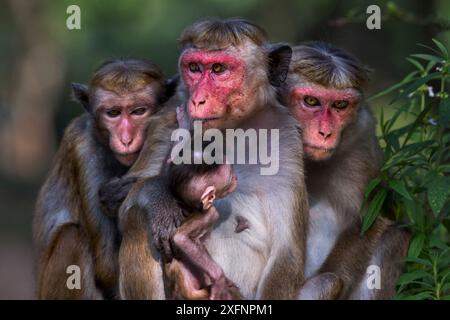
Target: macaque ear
208, 197
279, 60
80, 94
170, 87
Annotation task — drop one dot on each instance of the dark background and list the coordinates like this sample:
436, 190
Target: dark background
40, 57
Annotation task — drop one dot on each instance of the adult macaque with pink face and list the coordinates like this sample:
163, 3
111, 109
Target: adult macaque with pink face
70, 227
324, 92
215, 80
228, 74
124, 116
324, 113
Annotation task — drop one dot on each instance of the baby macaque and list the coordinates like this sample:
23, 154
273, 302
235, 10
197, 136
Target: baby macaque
193, 274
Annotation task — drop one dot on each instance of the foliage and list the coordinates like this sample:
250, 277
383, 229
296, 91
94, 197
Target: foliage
414, 185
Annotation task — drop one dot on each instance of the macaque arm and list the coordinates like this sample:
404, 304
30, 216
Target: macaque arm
324, 286
187, 239
140, 268
157, 146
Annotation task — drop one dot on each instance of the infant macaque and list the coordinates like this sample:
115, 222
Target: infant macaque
193, 274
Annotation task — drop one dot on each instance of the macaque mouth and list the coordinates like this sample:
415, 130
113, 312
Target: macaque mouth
127, 153
131, 153
206, 119
316, 147
128, 157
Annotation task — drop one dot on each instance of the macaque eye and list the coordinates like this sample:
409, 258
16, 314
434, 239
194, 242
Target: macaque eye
113, 113
340, 104
311, 101
139, 111
193, 67
218, 68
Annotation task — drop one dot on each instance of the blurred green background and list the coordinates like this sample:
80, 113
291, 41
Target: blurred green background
40, 57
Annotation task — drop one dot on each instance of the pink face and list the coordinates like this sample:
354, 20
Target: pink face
125, 116
214, 80
323, 114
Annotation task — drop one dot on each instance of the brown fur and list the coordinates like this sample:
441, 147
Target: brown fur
70, 247
267, 259
220, 34
340, 181
125, 75
324, 64
69, 225
65, 199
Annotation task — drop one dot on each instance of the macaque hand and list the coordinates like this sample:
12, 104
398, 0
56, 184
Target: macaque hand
112, 193
164, 223
224, 289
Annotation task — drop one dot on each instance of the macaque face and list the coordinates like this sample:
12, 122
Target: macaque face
217, 184
323, 113
125, 117
215, 84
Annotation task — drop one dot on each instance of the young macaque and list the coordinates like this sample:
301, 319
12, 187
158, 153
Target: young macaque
195, 187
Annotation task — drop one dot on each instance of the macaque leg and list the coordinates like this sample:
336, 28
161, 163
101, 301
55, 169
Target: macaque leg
182, 283
187, 240
140, 270
324, 286
354, 257
389, 255
69, 248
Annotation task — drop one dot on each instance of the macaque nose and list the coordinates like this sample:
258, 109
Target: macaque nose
325, 134
126, 141
198, 103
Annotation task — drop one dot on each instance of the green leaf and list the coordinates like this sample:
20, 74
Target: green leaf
416, 84
445, 287
442, 48
416, 246
428, 57
444, 113
437, 192
416, 64
421, 296
429, 48
445, 275
418, 122
420, 261
400, 187
394, 118
409, 277
446, 224
410, 77
411, 211
373, 210
372, 184
429, 66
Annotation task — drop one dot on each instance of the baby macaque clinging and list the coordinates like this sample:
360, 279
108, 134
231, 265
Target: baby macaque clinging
196, 186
